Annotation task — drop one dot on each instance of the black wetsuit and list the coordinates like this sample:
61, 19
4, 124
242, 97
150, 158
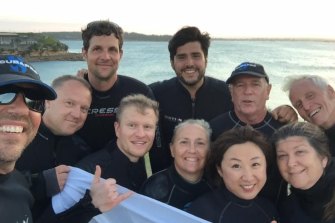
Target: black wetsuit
221, 206
114, 164
98, 129
169, 187
307, 206
229, 120
15, 199
38, 160
331, 137
176, 105
275, 188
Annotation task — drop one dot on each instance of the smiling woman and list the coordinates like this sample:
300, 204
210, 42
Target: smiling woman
304, 161
237, 165
184, 180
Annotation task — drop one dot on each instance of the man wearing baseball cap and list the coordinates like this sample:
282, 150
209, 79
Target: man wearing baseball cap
250, 89
22, 96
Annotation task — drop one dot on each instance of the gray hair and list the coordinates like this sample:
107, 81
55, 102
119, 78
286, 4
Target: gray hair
200, 122
315, 79
313, 134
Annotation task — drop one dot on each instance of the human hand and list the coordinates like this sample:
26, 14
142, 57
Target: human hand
104, 192
285, 114
62, 172
81, 73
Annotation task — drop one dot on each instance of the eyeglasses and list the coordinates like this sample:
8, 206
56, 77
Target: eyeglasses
32, 104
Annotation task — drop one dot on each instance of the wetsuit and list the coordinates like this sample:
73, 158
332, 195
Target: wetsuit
331, 137
38, 160
114, 164
15, 198
99, 126
169, 187
275, 187
176, 105
308, 205
230, 120
221, 206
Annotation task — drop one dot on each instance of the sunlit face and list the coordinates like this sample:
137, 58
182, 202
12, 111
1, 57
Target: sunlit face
189, 150
135, 132
243, 170
18, 127
249, 95
190, 63
103, 57
314, 104
298, 162
67, 113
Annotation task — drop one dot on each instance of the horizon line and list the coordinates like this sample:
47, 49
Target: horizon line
332, 39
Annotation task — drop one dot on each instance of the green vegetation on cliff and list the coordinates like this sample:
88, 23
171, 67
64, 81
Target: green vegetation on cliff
127, 36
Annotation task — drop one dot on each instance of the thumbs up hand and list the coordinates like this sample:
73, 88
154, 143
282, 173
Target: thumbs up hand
104, 192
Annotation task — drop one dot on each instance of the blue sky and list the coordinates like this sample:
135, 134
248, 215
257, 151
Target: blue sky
220, 18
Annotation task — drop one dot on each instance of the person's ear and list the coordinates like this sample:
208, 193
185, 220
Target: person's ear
172, 150
324, 162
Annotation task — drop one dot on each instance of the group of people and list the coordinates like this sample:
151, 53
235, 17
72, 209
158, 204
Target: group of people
214, 148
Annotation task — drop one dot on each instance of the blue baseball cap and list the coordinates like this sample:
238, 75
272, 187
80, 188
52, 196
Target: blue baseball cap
15, 71
248, 68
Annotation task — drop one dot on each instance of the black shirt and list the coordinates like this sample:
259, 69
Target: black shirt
169, 187
115, 164
99, 126
222, 206
45, 152
15, 199
308, 205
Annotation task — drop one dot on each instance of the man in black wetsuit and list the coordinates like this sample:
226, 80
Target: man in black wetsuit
22, 96
102, 50
122, 159
45, 161
250, 89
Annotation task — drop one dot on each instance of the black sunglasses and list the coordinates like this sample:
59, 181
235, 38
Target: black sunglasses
32, 104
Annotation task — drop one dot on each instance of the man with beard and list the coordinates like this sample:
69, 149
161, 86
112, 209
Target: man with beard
191, 94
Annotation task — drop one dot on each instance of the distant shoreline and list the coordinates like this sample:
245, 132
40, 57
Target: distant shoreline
55, 57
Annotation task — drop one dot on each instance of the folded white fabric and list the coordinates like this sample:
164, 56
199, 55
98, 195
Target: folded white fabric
76, 185
135, 209
141, 209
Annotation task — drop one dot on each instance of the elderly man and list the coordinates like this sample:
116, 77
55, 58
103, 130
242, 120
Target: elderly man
314, 99
22, 96
250, 89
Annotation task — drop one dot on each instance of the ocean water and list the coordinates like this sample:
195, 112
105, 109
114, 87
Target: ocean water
149, 61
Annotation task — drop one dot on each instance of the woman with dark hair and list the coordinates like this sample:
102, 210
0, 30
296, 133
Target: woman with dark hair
237, 165
305, 162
